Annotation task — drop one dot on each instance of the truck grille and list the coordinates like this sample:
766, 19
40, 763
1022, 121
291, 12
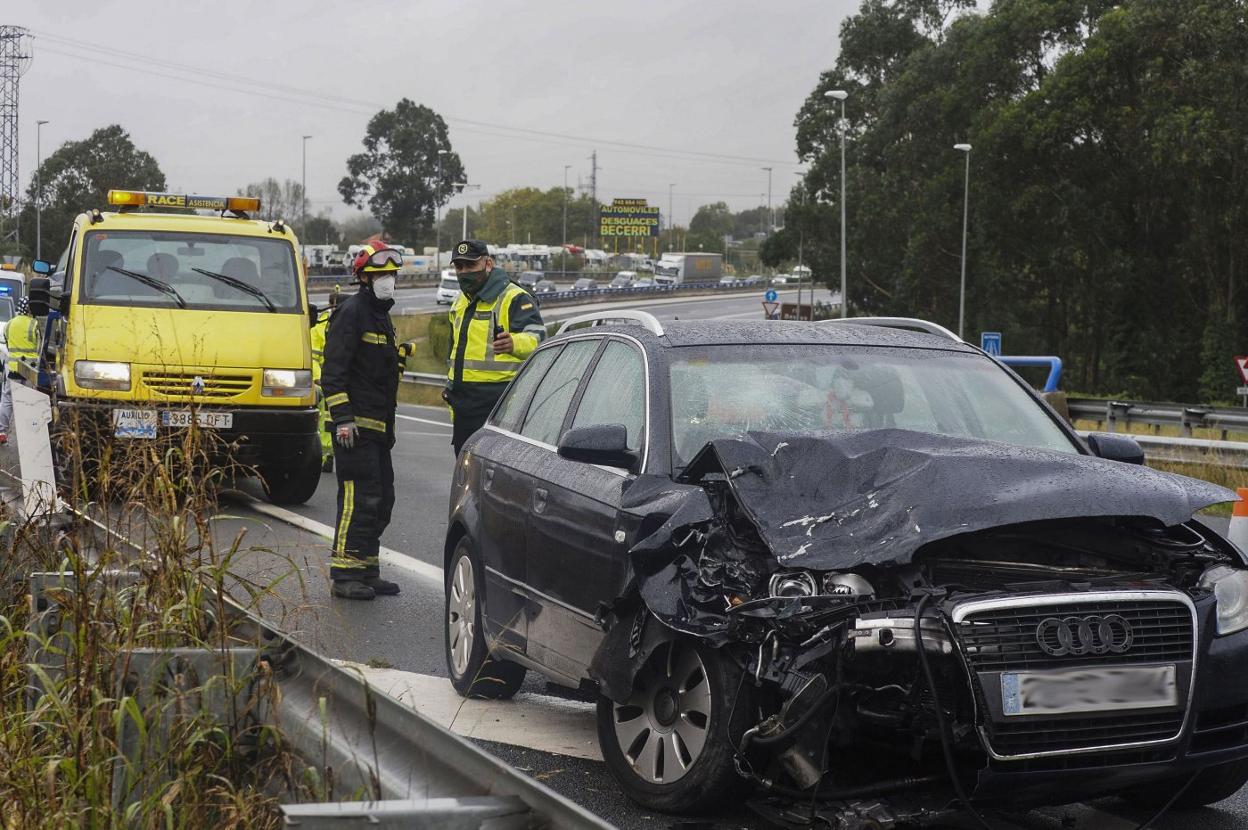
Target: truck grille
182, 384
1000, 639
1005, 639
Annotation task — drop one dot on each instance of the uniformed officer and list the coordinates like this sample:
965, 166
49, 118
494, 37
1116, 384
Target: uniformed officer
318, 359
495, 325
360, 380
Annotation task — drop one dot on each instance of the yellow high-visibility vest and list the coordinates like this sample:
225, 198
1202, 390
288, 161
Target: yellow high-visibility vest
22, 336
481, 364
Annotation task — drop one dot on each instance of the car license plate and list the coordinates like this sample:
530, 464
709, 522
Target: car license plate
206, 420
134, 423
1088, 690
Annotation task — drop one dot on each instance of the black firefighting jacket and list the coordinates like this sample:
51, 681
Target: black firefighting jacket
360, 376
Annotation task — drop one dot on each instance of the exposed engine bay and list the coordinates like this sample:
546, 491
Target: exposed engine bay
908, 612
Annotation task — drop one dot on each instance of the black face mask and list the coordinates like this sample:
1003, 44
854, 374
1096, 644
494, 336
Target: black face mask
470, 282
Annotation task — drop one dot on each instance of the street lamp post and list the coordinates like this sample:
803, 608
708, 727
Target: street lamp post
671, 218
841, 95
771, 217
38, 192
966, 206
437, 216
303, 191
464, 215
563, 256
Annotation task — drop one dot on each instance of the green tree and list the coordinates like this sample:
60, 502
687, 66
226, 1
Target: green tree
528, 214
321, 230
399, 175
356, 229
78, 176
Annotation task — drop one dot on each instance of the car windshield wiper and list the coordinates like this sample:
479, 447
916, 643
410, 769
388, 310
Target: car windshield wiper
151, 282
240, 285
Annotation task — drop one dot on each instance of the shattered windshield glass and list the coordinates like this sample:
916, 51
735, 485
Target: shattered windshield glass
725, 391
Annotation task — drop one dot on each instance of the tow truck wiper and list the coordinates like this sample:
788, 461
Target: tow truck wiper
240, 285
151, 282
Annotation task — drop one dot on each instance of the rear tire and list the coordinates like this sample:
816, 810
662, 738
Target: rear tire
294, 481
474, 672
671, 746
1212, 784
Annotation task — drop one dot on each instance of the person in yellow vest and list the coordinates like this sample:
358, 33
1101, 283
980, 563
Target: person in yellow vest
318, 358
495, 325
22, 336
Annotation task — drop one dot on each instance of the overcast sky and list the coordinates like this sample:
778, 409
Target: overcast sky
716, 77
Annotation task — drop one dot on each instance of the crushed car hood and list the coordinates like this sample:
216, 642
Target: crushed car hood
838, 500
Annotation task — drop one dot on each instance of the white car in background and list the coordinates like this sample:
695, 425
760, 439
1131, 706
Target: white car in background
448, 288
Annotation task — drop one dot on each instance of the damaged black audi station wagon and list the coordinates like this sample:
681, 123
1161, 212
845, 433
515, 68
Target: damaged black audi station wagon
838, 562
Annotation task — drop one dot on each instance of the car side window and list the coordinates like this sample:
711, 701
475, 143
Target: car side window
616, 393
550, 402
516, 398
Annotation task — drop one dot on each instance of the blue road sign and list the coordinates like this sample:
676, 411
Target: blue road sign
990, 341
770, 295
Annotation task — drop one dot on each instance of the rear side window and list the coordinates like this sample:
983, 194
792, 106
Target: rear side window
616, 393
511, 407
550, 402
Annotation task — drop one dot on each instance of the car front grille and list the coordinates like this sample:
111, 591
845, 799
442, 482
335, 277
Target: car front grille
1002, 637
183, 384
1005, 639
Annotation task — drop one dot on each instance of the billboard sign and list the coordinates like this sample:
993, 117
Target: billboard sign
628, 217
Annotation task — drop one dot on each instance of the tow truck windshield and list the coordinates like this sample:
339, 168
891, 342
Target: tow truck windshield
191, 270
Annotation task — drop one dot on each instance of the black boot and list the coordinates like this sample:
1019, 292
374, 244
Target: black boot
352, 589
382, 586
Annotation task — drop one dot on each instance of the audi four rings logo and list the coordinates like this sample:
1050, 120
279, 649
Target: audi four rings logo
1078, 636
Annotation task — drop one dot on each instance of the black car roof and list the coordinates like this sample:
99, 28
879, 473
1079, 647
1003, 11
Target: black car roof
728, 332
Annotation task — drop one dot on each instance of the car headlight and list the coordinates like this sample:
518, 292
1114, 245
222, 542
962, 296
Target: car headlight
287, 383
1230, 589
792, 584
93, 374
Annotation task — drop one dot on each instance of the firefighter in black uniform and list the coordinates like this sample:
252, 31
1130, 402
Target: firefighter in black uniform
360, 379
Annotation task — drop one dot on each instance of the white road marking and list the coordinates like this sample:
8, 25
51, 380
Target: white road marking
389, 556
534, 721
423, 420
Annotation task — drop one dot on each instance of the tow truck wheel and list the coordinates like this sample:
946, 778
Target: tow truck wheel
474, 672
671, 745
293, 481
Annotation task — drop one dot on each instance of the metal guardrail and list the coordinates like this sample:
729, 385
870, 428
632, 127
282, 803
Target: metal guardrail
1115, 414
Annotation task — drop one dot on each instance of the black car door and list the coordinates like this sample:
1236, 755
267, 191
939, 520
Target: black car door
503, 494
577, 544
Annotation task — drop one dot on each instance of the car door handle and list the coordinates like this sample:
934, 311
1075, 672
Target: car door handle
489, 477
539, 500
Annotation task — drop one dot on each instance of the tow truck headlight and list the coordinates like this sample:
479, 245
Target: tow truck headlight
287, 383
1230, 589
93, 374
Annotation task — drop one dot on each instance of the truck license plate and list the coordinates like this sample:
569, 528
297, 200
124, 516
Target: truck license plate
134, 423
206, 420
1088, 690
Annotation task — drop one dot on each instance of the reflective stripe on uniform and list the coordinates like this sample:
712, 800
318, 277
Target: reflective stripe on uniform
370, 423
374, 337
344, 523
337, 399
347, 563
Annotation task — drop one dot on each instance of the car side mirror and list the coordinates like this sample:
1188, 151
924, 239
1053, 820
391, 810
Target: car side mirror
43, 267
605, 444
1114, 447
40, 295
313, 313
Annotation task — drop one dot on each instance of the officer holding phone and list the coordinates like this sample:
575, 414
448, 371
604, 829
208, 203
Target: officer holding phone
495, 325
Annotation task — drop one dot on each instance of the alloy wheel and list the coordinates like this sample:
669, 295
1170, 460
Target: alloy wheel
461, 615
663, 727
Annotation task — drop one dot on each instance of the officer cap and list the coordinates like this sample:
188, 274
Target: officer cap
470, 250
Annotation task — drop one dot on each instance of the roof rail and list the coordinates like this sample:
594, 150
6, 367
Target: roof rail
912, 323
641, 318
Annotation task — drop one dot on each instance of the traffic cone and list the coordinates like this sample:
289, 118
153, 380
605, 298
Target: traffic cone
1238, 531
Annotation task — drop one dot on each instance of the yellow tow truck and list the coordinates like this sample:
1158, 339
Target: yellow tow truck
168, 319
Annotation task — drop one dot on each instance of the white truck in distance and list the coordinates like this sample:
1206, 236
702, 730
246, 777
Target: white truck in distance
678, 268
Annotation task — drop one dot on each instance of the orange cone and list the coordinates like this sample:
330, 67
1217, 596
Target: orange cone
1238, 532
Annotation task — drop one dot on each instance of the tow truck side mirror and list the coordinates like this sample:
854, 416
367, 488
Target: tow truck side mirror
40, 266
40, 294
313, 312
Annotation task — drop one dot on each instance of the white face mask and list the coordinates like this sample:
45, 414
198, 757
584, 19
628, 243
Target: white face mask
383, 288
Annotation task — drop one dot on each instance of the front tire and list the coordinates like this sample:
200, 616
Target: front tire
671, 745
292, 481
474, 672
